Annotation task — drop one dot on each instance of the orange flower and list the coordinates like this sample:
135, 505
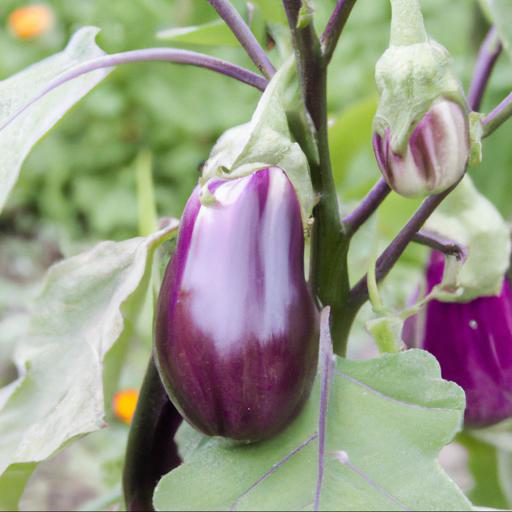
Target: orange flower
124, 404
31, 21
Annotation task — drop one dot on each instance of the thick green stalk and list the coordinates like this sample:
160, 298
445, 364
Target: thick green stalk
329, 245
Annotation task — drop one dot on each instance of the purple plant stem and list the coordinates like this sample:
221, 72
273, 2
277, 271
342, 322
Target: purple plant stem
487, 57
244, 34
148, 55
486, 60
353, 221
498, 116
441, 244
334, 27
386, 261
326, 365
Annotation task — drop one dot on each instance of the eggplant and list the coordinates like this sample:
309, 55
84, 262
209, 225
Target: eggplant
236, 333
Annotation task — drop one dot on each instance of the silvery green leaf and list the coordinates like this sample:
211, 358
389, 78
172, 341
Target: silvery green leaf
12, 484
386, 422
73, 324
18, 136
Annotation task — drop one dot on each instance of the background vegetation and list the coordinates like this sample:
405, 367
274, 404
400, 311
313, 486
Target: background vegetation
85, 181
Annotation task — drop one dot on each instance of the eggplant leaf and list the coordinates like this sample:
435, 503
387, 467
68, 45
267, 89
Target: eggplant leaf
18, 134
384, 424
74, 322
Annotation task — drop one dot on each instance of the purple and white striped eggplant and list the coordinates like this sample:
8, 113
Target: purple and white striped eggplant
473, 343
436, 155
237, 328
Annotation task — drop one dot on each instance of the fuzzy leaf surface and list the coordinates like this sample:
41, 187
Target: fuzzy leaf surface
75, 321
18, 137
387, 420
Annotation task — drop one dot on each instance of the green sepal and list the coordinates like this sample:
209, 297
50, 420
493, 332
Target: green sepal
305, 14
410, 79
470, 219
476, 133
267, 141
411, 75
206, 197
387, 333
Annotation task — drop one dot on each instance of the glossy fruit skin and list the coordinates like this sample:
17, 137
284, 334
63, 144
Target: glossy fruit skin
473, 343
237, 328
436, 156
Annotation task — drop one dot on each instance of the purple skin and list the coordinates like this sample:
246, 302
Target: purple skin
473, 344
237, 328
436, 156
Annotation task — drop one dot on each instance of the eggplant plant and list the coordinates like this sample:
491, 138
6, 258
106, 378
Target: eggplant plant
253, 398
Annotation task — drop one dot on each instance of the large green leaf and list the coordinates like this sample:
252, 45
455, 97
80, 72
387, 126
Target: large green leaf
18, 137
74, 323
387, 420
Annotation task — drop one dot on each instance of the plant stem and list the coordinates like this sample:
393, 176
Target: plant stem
359, 293
148, 55
353, 221
386, 261
487, 57
244, 34
498, 116
441, 244
329, 246
335, 26
151, 451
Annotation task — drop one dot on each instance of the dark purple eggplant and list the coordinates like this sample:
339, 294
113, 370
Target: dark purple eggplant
237, 328
473, 344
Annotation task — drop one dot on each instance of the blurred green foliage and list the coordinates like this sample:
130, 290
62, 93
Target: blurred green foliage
82, 183
81, 179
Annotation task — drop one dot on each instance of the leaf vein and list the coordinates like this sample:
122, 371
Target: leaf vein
387, 397
274, 468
